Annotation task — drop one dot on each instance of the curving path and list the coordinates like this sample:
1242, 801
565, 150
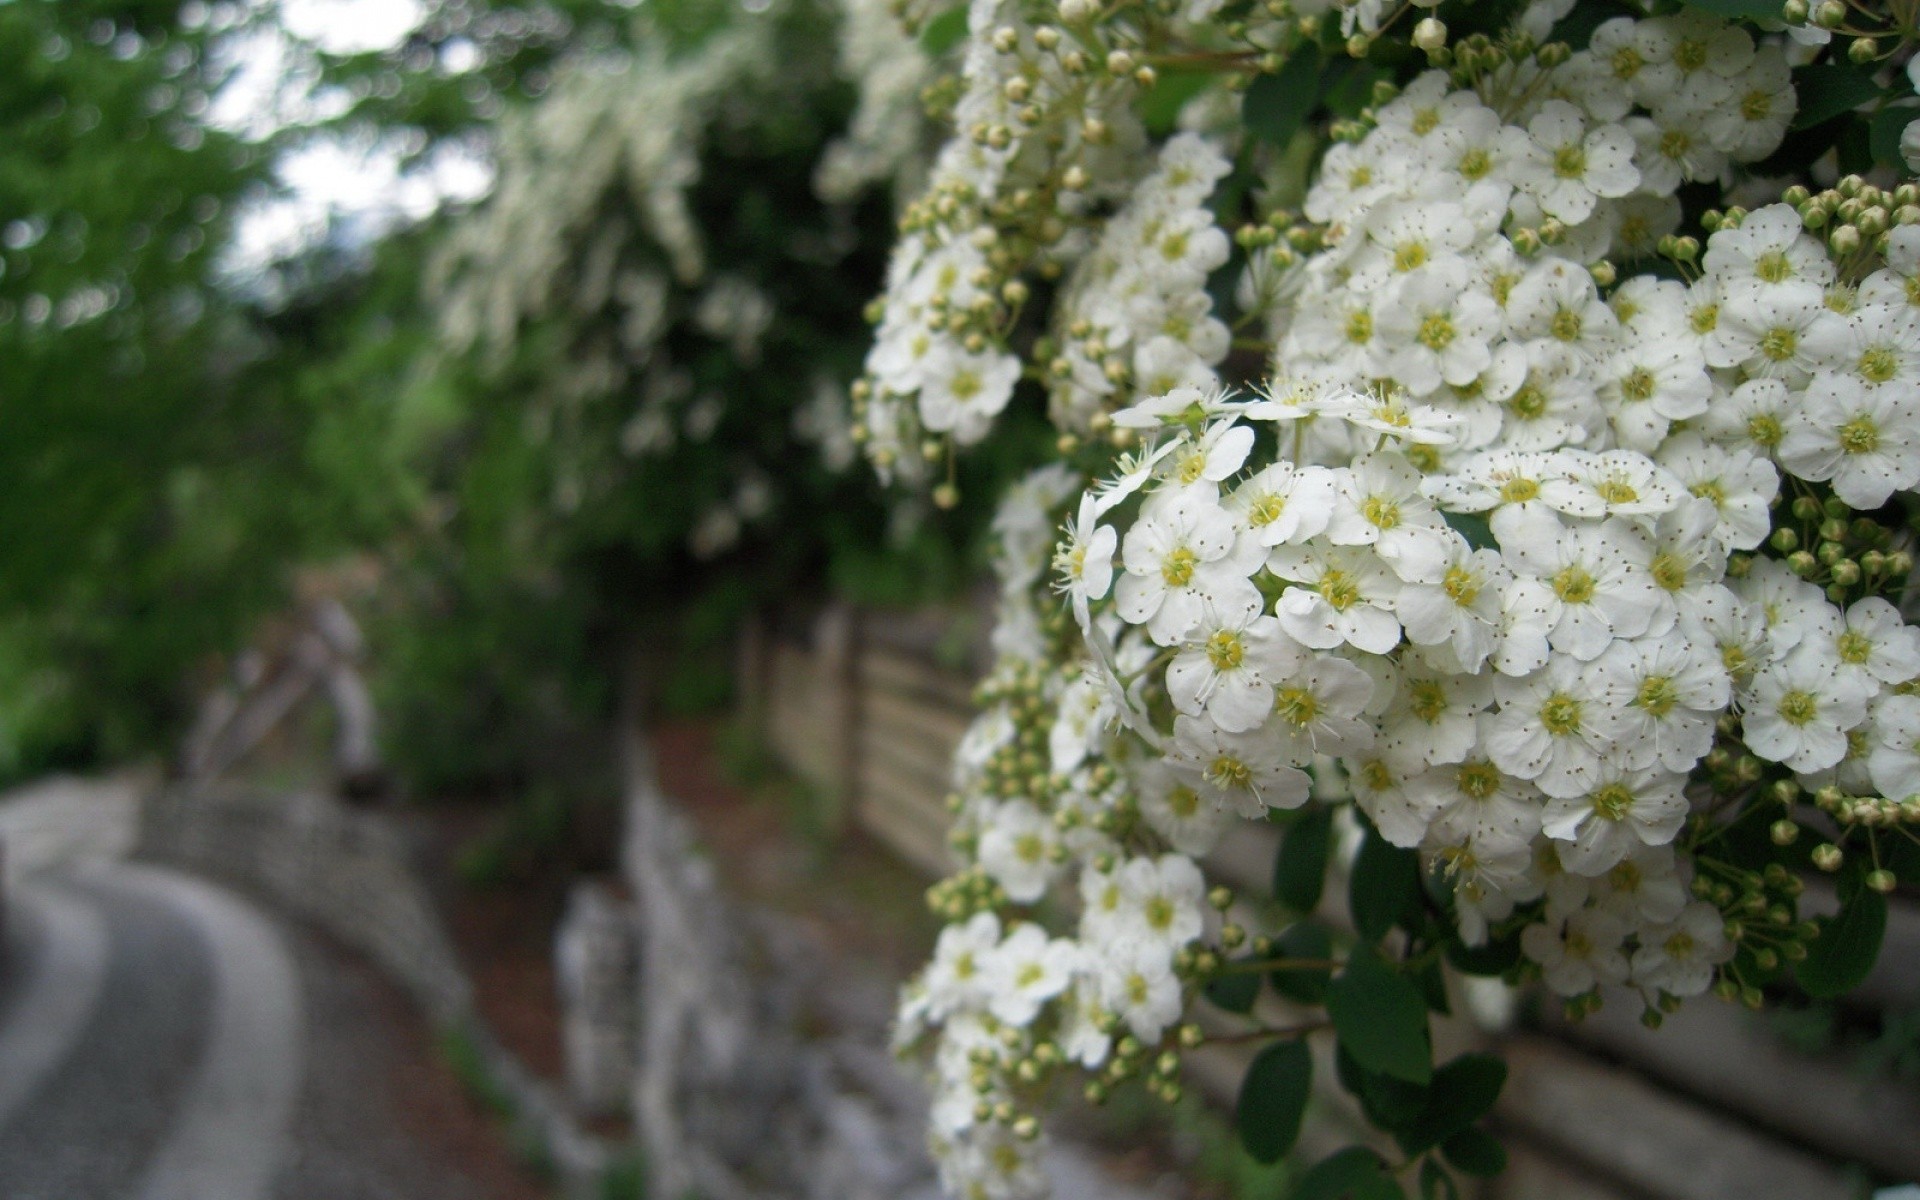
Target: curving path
151, 1039
162, 1039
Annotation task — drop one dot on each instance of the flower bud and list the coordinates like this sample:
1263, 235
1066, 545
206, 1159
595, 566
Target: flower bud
1430, 34
1827, 856
1844, 240
1794, 12
1784, 832
1830, 14
1881, 881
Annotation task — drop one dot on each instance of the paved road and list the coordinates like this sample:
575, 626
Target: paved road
162, 1039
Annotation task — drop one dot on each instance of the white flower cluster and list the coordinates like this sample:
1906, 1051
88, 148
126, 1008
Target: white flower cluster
1136, 318
1435, 277
1548, 567
1045, 132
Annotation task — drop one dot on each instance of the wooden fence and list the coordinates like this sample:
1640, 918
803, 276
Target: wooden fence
869, 706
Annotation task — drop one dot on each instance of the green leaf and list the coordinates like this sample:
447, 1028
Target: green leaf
1276, 106
1384, 886
1273, 1099
1829, 89
1355, 1173
1234, 993
1387, 1103
1461, 1093
1848, 944
1300, 868
1475, 528
1305, 940
1380, 1018
1494, 958
1476, 1152
944, 32
1752, 10
1883, 135
1435, 1183
1160, 106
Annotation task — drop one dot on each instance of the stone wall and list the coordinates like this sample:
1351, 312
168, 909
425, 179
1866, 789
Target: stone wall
731, 1099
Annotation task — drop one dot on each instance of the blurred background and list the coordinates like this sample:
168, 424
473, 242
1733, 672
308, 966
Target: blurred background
425, 511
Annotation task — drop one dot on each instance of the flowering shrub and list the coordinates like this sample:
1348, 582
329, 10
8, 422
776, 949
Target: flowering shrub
1490, 439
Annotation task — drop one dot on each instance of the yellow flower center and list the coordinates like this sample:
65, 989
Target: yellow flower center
1177, 567
1573, 584
1613, 802
1855, 647
1519, 491
1297, 706
1429, 701
1860, 435
1478, 780
1338, 589
1561, 715
1225, 650
1566, 325
1227, 771
1774, 266
1878, 365
1436, 332
1461, 585
1657, 695
1799, 707
1668, 571
1639, 384
1380, 512
1266, 510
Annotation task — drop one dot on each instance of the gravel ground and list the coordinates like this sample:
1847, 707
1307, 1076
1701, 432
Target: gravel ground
382, 1115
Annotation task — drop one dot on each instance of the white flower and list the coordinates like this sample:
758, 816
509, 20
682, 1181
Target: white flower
1017, 849
1191, 823
1495, 812
1865, 440
1341, 596
1567, 168
1580, 953
1281, 504
1740, 483
961, 392
1620, 809
1245, 772
956, 978
1458, 615
1800, 710
1436, 327
1894, 759
1136, 981
1551, 727
1588, 586
1084, 562
1663, 695
1317, 710
1025, 971
1228, 664
1875, 646
1180, 554
1679, 959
